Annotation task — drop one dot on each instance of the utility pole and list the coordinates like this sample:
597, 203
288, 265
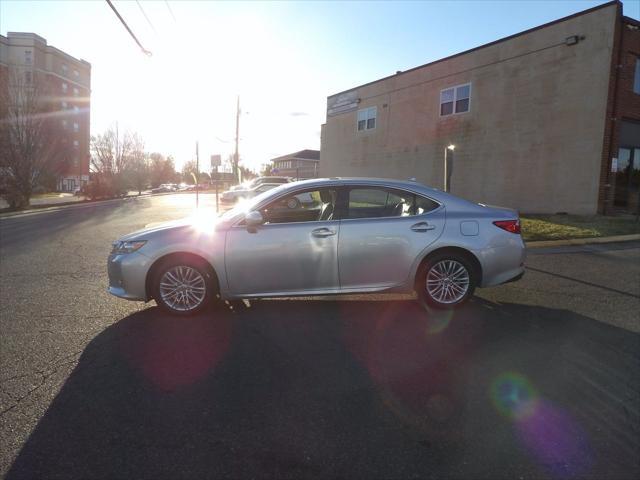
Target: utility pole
236, 155
197, 176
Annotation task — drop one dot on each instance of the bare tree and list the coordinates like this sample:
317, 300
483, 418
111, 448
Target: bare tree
111, 151
138, 164
111, 157
31, 143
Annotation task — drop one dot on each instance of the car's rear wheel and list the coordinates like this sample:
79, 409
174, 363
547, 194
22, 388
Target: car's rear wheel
446, 280
183, 286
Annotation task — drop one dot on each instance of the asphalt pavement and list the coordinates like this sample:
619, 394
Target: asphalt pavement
534, 379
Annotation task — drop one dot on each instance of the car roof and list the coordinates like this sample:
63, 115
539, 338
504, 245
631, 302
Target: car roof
410, 185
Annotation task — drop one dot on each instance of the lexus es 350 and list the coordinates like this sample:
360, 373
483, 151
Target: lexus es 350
324, 236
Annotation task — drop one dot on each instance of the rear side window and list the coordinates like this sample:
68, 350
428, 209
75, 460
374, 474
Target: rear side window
386, 202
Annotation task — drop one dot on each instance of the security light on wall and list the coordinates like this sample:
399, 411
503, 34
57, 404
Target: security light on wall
451, 147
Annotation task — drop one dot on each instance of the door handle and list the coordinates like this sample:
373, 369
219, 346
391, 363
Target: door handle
422, 227
322, 232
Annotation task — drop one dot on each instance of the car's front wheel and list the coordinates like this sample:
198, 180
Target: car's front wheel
183, 286
446, 280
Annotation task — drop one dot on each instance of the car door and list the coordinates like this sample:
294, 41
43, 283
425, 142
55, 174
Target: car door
382, 232
294, 251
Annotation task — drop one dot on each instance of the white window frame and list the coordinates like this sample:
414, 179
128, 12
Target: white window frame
455, 99
367, 112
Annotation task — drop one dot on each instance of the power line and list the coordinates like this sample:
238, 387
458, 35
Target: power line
147, 18
170, 11
144, 50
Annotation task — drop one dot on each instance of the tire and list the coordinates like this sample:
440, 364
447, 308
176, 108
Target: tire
446, 281
183, 286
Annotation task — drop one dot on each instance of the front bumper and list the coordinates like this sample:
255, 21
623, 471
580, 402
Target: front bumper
128, 275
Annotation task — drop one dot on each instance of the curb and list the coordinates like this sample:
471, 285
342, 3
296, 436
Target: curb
55, 208
582, 241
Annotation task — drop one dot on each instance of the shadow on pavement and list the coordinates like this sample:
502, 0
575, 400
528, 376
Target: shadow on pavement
354, 389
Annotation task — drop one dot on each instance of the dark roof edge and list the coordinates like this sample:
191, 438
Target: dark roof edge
539, 27
630, 20
294, 155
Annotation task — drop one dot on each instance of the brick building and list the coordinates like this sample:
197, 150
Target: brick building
545, 121
27, 60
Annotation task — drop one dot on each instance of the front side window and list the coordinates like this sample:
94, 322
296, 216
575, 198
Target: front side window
64, 88
636, 78
312, 206
367, 118
455, 100
64, 68
385, 202
76, 92
27, 77
28, 57
76, 127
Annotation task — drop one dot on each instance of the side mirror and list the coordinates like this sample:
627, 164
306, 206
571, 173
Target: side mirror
253, 219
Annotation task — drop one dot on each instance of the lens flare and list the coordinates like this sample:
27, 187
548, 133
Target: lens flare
513, 396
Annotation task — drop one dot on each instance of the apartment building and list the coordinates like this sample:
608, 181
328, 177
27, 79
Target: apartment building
545, 121
26, 60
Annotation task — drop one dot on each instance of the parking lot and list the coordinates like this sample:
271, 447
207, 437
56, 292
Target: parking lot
535, 379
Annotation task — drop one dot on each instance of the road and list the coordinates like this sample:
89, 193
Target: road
535, 379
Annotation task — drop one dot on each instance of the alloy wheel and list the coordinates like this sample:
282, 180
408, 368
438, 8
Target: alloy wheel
183, 288
448, 281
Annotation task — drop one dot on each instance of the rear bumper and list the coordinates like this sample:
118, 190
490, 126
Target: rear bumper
504, 263
516, 278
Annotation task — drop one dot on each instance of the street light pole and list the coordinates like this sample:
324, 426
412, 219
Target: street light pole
448, 166
197, 176
236, 158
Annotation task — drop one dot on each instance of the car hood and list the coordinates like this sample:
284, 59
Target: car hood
188, 224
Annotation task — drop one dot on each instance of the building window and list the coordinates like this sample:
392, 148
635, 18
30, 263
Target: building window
76, 127
64, 68
75, 92
76, 110
64, 124
28, 57
63, 105
76, 73
636, 79
455, 100
64, 87
27, 78
367, 118
76, 144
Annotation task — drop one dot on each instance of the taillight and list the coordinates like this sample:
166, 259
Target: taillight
512, 226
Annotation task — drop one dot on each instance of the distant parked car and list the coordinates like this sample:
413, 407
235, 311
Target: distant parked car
231, 196
355, 236
165, 187
259, 181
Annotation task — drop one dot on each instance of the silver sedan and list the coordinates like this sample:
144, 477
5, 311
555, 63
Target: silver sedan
324, 236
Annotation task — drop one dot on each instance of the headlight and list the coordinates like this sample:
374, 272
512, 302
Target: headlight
127, 247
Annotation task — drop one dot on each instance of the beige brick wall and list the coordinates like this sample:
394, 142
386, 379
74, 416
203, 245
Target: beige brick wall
532, 140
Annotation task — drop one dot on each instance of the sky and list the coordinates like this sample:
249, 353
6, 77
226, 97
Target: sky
282, 58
